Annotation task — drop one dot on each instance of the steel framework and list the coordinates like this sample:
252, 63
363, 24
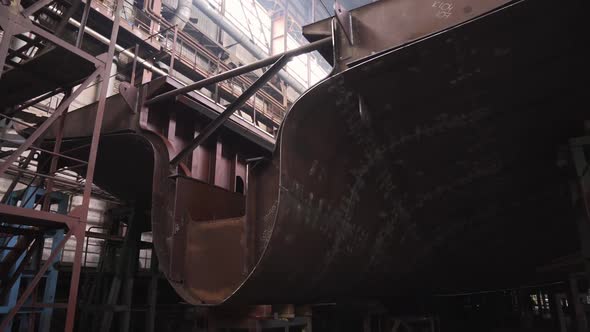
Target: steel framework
13, 23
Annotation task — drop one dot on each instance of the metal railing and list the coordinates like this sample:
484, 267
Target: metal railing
181, 47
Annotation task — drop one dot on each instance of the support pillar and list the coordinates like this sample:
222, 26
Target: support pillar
150, 322
126, 258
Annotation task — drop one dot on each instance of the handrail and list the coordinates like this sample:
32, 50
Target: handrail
187, 39
271, 107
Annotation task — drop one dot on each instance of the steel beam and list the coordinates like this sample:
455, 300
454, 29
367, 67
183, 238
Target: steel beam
241, 70
79, 232
83, 21
77, 264
100, 107
134, 68
212, 127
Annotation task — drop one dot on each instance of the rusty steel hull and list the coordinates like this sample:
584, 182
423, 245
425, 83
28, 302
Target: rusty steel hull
427, 168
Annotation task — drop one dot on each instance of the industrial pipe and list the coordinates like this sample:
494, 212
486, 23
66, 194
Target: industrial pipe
182, 13
146, 64
243, 40
241, 70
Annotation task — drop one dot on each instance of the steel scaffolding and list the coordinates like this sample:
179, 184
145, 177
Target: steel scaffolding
20, 23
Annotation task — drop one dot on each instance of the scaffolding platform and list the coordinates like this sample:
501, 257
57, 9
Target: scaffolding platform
42, 74
21, 216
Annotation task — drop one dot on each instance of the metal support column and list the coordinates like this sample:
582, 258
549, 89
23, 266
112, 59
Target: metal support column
150, 322
85, 14
84, 209
129, 274
53, 273
173, 52
130, 244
